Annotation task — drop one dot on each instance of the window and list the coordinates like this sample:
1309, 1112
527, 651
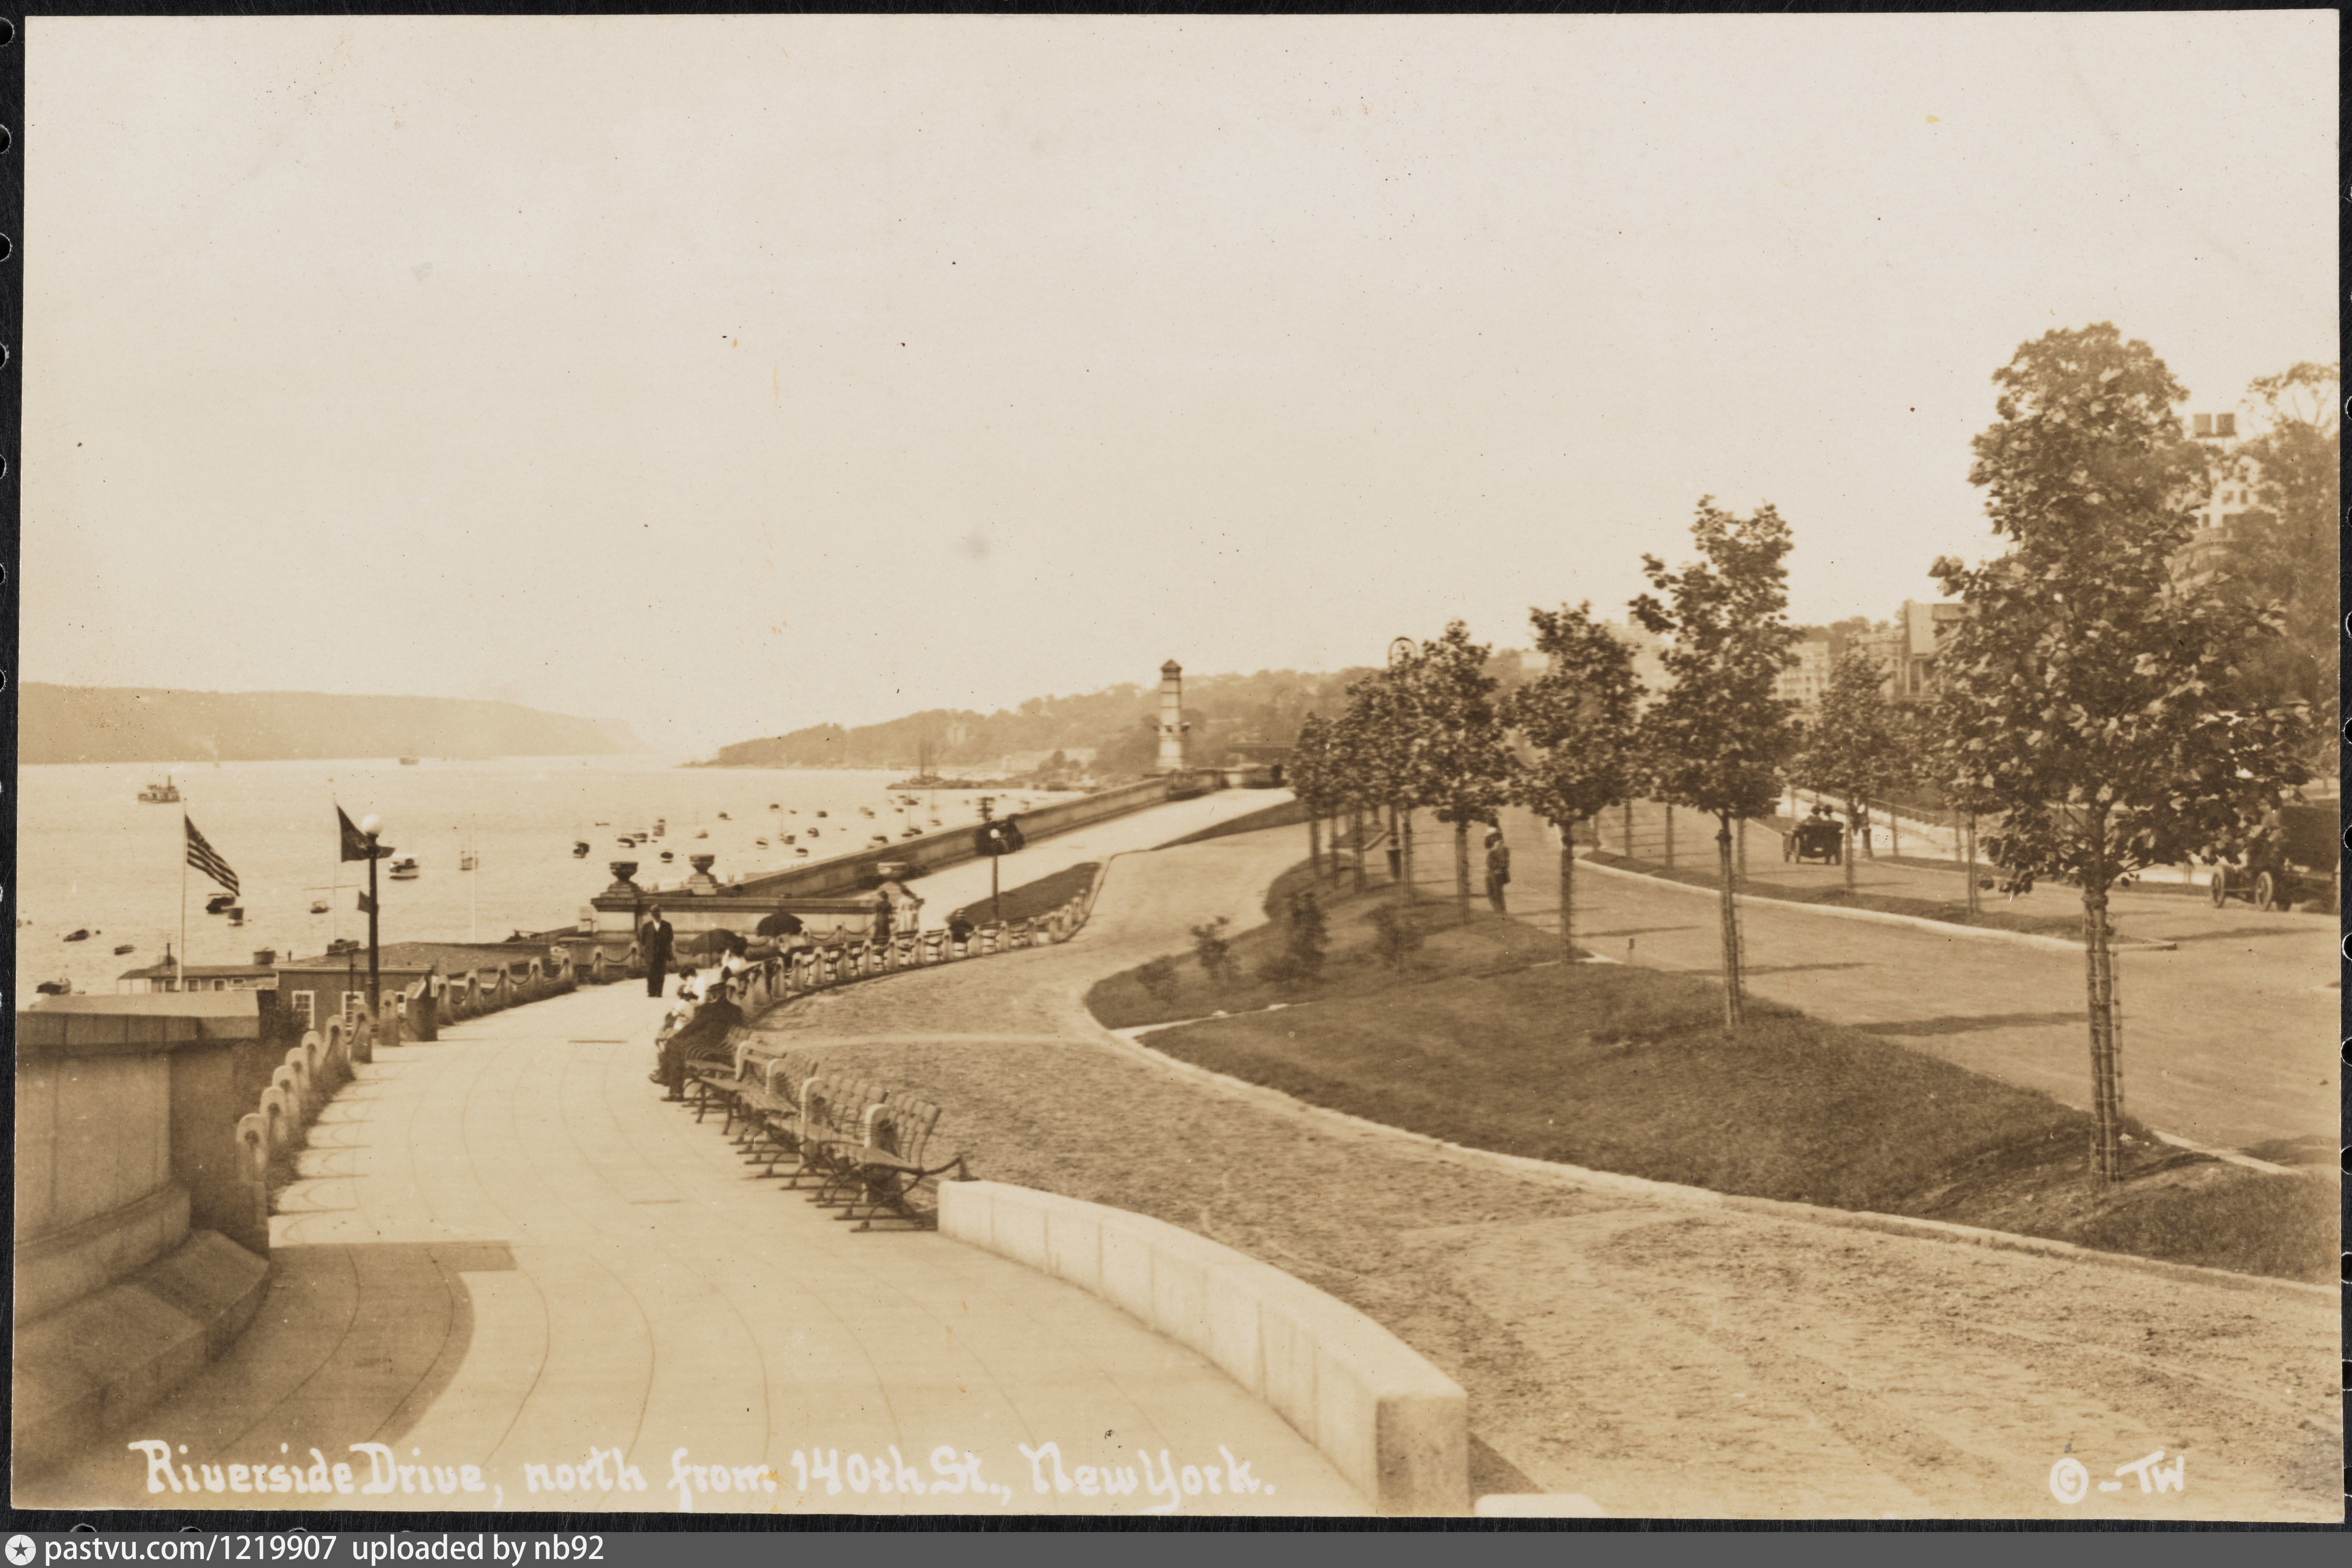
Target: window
307, 1004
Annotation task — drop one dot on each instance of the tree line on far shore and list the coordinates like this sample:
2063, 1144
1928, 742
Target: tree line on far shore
2110, 713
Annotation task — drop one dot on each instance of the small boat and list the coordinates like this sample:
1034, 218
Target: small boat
408, 762
236, 916
774, 806
218, 903
879, 838
814, 831
318, 906
935, 822
78, 936
627, 843
55, 988
763, 843
164, 793
912, 833
701, 834
600, 823
403, 869
580, 849
125, 947
466, 860
820, 813
865, 811
669, 855
724, 817
802, 850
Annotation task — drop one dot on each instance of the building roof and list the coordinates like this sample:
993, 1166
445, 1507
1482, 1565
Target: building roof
201, 971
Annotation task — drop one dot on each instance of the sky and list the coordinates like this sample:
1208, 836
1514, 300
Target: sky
728, 375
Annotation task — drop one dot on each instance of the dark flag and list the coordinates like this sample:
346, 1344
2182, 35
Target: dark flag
206, 858
367, 905
355, 843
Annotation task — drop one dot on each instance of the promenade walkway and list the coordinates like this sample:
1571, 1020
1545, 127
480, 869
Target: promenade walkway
508, 1251
1660, 1359
2229, 1039
952, 887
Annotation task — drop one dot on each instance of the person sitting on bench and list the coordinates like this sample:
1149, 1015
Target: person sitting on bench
702, 1035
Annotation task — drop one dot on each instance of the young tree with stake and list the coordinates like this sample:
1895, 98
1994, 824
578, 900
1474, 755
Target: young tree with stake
2088, 697
1717, 740
1308, 773
1465, 762
1579, 716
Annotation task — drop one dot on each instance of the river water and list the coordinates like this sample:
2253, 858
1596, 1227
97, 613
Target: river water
90, 855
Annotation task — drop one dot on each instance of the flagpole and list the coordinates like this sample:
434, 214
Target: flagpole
181, 979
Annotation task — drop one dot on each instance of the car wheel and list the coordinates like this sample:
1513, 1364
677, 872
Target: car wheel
2221, 886
2266, 891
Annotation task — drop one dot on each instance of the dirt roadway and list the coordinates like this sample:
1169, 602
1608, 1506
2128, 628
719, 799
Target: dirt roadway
1666, 1361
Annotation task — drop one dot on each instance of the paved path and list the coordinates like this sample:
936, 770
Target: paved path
2228, 1041
954, 886
1661, 1359
508, 1251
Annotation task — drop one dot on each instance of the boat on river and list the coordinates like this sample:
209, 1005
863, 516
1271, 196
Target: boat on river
78, 936
164, 793
403, 869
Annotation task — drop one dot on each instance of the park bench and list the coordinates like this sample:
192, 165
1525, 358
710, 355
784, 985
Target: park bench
872, 1179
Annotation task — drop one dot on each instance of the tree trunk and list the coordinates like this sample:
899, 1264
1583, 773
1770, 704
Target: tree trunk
1628, 830
1462, 868
2106, 1067
1970, 834
1670, 835
1567, 892
1356, 830
1734, 1007
1404, 843
1854, 833
1893, 835
1314, 845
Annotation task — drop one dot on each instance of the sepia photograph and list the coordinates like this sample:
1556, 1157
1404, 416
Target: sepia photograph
1565, 768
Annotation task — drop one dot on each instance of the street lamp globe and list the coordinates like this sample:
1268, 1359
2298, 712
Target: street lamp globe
1401, 653
372, 824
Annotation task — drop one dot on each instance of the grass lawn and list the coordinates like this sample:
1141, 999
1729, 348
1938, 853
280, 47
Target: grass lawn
1033, 898
1353, 965
1482, 1041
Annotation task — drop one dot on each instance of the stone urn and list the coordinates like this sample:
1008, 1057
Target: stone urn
702, 881
622, 871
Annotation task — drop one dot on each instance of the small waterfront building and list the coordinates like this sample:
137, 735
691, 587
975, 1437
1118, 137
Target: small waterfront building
171, 976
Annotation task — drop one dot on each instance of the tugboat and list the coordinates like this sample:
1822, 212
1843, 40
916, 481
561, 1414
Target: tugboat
218, 904
126, 947
580, 849
343, 945
78, 936
318, 906
403, 869
55, 988
164, 793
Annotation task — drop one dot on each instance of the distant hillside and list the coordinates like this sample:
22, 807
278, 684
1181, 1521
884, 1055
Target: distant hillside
144, 724
1115, 724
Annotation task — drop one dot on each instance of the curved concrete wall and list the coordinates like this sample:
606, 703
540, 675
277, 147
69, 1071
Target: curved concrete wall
1393, 1424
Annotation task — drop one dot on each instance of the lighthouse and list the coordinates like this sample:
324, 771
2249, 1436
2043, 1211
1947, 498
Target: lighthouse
1172, 718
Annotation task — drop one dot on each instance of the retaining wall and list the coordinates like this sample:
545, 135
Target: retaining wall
1394, 1426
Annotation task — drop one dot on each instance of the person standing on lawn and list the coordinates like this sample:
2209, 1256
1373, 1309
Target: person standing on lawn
1498, 868
656, 939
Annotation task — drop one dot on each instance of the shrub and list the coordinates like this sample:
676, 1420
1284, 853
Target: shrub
1304, 939
1213, 952
1399, 937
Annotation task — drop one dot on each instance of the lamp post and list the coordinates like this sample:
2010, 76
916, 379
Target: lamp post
372, 825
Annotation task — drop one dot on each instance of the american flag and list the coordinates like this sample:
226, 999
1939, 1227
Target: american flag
206, 858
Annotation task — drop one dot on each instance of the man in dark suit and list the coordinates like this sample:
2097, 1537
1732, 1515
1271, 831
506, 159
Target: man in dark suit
654, 941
